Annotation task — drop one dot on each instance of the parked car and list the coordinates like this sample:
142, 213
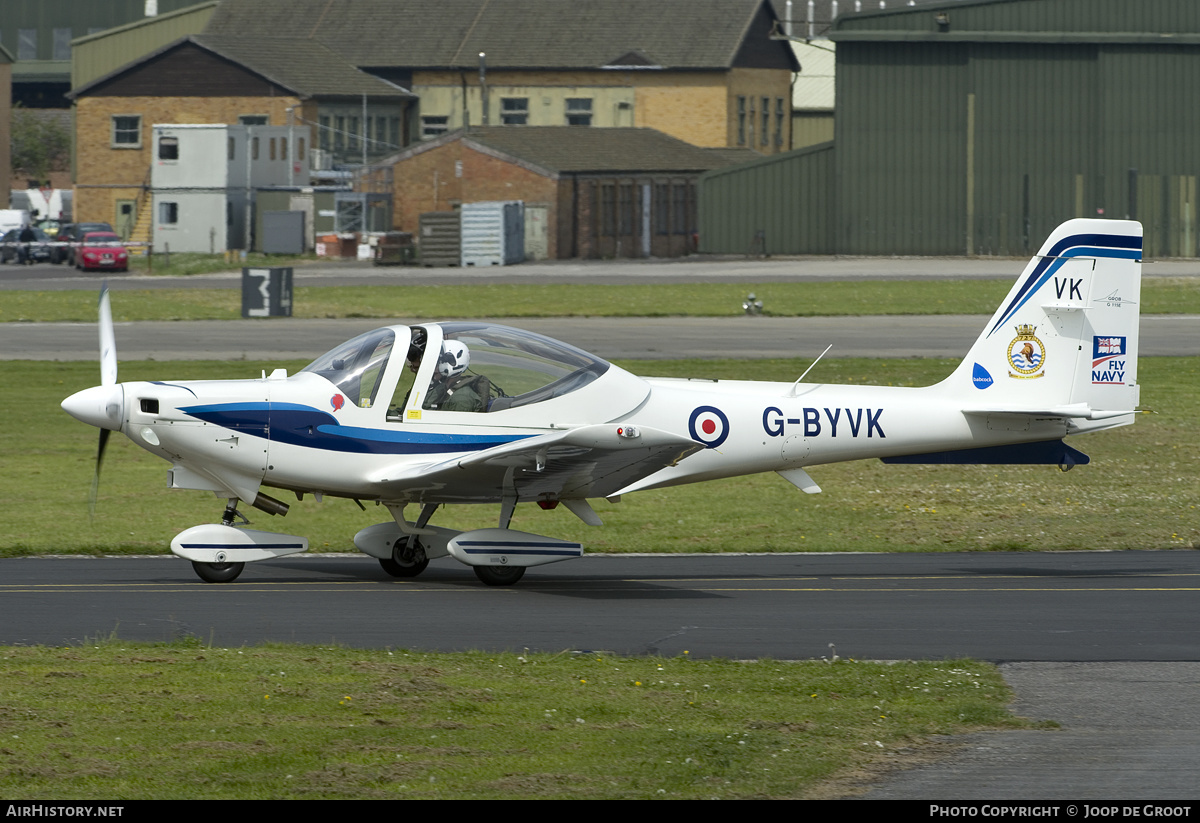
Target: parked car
11, 247
68, 239
50, 227
101, 250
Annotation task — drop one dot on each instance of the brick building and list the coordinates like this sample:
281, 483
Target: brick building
710, 72
604, 192
206, 79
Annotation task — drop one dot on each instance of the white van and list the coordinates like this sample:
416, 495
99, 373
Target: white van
12, 219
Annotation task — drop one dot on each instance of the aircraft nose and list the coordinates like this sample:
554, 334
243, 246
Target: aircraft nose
99, 406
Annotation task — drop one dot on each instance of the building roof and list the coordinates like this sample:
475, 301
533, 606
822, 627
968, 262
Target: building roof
534, 34
554, 150
1158, 22
303, 67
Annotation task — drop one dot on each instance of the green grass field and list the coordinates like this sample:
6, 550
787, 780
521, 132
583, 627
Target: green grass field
1159, 296
116, 721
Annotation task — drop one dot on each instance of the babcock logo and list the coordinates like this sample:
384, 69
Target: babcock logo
980, 378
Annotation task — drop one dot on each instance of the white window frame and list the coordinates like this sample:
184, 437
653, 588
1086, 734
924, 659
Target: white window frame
117, 131
514, 111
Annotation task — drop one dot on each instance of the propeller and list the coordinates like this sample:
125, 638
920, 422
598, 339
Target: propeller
101, 406
108, 377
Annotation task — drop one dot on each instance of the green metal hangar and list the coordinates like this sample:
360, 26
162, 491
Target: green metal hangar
977, 126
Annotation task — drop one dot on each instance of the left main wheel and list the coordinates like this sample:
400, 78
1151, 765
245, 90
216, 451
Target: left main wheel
218, 572
499, 575
408, 558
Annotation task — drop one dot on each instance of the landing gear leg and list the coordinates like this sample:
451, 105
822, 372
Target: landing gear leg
231, 512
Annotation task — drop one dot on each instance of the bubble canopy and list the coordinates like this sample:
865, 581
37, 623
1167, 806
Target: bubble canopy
522, 366
357, 365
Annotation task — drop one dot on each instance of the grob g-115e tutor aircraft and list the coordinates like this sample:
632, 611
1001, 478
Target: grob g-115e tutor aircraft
469, 412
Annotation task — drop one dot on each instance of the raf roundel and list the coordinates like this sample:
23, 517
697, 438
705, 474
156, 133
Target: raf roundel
708, 425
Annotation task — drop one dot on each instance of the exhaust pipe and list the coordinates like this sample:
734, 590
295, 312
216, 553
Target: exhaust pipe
270, 505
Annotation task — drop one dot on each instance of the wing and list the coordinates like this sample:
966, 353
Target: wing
590, 461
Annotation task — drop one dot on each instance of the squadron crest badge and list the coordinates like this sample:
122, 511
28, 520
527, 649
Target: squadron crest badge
1026, 354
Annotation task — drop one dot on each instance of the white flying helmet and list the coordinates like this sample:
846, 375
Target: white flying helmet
454, 360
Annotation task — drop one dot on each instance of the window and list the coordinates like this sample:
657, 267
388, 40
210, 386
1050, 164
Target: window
778, 121
253, 148
168, 213
352, 140
271, 148
741, 121
300, 150
579, 111
127, 131
324, 133
679, 209
432, 127
625, 208
230, 148
514, 111
608, 209
168, 148
662, 208
27, 44
766, 120
283, 147
252, 120
339, 134
62, 44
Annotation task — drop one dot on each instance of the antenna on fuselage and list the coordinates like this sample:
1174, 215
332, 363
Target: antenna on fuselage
792, 393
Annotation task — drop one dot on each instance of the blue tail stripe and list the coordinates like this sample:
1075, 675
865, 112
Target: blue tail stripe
1117, 246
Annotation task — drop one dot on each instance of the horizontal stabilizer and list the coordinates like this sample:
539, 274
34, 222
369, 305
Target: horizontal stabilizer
1077, 410
1047, 452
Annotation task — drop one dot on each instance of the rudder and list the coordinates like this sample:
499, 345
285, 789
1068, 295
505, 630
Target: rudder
1066, 336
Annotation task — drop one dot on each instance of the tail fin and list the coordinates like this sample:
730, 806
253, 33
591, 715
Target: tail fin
1065, 340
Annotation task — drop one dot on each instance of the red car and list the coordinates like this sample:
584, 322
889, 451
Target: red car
102, 250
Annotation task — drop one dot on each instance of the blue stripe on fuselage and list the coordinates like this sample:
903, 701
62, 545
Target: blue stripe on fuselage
1125, 247
298, 425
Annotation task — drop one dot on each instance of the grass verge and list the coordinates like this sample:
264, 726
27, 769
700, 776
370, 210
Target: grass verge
183, 264
1159, 296
188, 721
1140, 491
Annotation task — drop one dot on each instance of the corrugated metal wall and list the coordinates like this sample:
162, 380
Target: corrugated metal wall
984, 148
778, 205
981, 133
901, 159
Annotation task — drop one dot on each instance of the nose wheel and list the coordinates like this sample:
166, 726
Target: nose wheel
218, 572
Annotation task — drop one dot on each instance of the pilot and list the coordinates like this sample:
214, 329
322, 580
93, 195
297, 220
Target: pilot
450, 389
